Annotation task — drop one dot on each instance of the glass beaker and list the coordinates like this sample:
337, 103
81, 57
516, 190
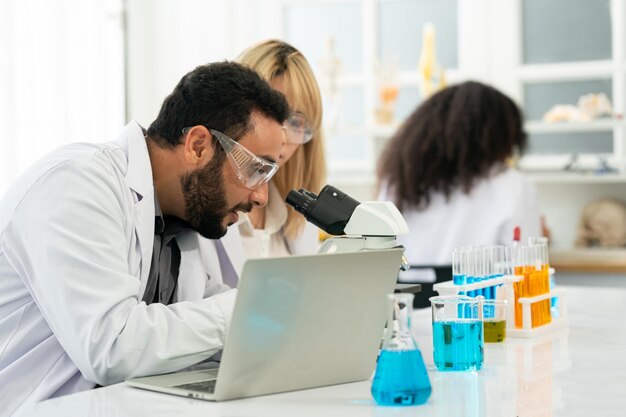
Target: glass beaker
494, 321
401, 377
458, 343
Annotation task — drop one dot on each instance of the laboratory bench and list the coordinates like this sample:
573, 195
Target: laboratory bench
577, 371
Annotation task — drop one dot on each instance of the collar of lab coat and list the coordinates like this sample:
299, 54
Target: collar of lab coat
139, 169
139, 179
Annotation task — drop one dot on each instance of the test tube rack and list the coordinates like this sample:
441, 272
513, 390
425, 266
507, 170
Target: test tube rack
558, 320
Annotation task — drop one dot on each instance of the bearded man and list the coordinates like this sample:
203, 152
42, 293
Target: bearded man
91, 283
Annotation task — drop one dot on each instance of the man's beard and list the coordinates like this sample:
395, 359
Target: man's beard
205, 199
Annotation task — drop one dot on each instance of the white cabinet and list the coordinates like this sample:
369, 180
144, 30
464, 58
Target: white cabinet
568, 48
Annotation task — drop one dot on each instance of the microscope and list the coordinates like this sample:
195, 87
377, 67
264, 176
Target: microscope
356, 226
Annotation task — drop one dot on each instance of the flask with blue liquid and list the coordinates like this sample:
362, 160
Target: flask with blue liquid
401, 377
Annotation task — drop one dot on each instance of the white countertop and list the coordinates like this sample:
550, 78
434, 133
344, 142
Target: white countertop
577, 372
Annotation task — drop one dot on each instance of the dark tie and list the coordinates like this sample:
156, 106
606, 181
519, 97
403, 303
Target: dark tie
165, 263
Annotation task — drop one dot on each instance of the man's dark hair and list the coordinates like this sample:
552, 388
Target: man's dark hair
220, 96
453, 139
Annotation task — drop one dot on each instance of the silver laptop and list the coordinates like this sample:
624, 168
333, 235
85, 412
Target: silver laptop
299, 322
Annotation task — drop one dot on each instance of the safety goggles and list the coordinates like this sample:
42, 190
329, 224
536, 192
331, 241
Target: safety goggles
298, 129
252, 171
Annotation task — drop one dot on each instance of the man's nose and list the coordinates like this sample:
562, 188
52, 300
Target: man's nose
260, 195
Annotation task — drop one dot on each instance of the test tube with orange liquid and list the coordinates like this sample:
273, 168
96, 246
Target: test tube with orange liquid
531, 263
541, 281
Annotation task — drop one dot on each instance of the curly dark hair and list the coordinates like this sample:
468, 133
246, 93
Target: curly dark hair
220, 95
451, 140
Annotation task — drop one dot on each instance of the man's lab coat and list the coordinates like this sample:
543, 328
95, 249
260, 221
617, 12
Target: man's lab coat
76, 237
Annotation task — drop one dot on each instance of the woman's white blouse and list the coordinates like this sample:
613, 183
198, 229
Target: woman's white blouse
271, 241
485, 216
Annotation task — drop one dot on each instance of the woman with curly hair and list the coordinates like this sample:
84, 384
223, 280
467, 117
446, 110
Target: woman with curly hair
446, 170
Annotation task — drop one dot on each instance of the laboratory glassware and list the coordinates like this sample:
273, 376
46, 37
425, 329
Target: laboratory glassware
401, 377
458, 343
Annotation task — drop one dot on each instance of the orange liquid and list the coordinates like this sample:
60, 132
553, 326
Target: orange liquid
388, 94
520, 289
535, 282
542, 287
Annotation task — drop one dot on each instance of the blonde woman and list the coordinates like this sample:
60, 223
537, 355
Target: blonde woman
276, 229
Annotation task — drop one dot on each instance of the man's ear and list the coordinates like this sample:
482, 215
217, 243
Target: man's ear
198, 146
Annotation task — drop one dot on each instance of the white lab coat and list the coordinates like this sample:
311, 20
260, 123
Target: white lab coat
199, 259
485, 216
76, 236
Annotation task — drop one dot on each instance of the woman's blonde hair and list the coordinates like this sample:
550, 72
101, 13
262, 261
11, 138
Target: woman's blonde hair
307, 166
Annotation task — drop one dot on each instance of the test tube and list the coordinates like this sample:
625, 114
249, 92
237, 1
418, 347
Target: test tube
458, 274
492, 271
472, 268
541, 279
485, 260
519, 255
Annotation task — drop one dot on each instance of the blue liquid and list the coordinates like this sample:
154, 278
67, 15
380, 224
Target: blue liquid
554, 301
458, 345
470, 280
458, 279
401, 378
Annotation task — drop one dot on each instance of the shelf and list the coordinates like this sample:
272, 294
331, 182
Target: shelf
598, 125
575, 178
588, 259
550, 167
566, 71
534, 126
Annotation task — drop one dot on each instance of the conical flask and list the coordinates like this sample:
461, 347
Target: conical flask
401, 377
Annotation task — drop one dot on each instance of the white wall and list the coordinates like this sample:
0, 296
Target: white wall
168, 38
61, 77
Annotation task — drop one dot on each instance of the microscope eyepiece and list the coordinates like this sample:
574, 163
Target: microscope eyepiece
330, 210
300, 200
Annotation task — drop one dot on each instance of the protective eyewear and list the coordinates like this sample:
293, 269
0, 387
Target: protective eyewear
298, 128
251, 170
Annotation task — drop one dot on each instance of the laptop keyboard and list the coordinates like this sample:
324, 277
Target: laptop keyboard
201, 386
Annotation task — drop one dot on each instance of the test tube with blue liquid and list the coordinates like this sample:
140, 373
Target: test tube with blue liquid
462, 269
554, 301
458, 274
471, 269
483, 257
500, 266
490, 270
